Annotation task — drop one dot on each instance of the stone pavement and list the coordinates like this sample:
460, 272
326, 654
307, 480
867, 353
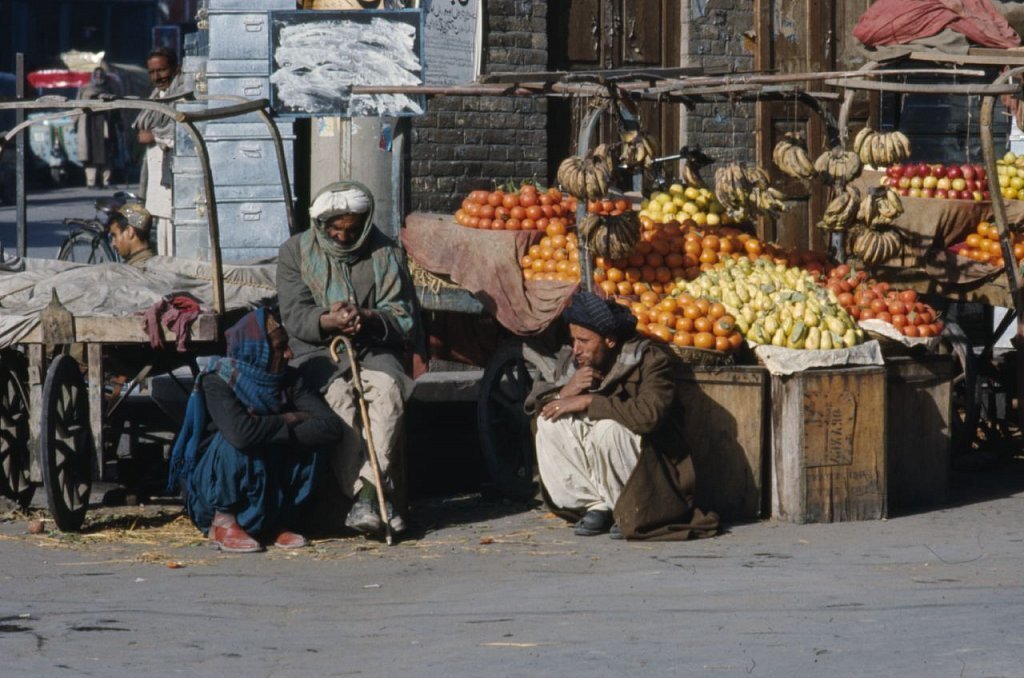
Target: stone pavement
488, 588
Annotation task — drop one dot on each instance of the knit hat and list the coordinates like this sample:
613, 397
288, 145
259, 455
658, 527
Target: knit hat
607, 318
136, 216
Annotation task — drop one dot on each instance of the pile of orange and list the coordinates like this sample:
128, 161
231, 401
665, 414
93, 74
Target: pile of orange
608, 206
983, 245
669, 252
527, 208
685, 321
555, 257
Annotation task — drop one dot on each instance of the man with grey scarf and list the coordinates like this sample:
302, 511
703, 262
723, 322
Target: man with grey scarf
156, 134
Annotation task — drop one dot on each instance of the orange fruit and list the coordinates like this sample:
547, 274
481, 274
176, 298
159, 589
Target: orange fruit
704, 340
615, 275
684, 324
649, 299
703, 304
724, 326
703, 324
716, 311
682, 338
660, 332
722, 344
624, 288
608, 287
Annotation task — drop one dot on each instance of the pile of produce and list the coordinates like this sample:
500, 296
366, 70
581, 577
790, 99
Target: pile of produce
684, 321
555, 257
1010, 171
527, 208
984, 245
778, 305
681, 203
965, 181
866, 299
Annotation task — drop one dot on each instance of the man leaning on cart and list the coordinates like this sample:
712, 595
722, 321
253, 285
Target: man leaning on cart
610, 447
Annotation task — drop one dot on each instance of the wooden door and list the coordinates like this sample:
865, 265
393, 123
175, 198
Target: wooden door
604, 34
803, 36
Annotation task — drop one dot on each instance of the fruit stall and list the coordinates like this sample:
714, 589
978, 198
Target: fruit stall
806, 379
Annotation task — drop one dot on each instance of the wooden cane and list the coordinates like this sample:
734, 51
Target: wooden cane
364, 413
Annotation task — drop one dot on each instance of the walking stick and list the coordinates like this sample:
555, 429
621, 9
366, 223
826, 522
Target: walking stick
364, 413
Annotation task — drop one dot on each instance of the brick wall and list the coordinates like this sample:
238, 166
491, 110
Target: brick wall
463, 143
724, 131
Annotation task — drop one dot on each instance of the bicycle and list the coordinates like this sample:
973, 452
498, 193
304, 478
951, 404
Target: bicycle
89, 240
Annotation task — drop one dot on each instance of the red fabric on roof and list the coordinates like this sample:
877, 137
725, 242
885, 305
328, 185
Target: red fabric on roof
58, 78
897, 22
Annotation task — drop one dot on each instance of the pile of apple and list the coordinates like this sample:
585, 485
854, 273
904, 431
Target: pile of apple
1010, 171
966, 181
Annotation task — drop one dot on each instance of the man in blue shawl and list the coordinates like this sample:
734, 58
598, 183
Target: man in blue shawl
246, 454
344, 276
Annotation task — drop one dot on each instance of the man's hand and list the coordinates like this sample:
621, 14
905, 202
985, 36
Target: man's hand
292, 419
584, 379
556, 409
343, 318
146, 137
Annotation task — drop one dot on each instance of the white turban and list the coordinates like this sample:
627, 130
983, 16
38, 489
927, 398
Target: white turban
337, 203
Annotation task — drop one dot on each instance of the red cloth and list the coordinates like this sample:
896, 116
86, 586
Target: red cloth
487, 264
176, 312
897, 22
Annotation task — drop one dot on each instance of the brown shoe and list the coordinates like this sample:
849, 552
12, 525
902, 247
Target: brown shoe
232, 539
290, 540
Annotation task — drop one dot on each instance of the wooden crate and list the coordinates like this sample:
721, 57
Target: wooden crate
828, 445
724, 413
919, 438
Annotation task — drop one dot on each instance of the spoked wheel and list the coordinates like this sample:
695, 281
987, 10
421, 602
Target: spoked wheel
504, 428
66, 444
15, 458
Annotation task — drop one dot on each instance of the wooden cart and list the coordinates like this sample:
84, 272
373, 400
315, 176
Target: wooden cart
56, 427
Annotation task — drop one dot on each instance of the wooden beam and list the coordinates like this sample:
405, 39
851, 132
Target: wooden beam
128, 330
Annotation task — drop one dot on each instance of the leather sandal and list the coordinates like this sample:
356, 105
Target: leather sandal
290, 540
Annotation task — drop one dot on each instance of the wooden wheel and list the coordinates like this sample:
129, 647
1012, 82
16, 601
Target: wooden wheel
504, 428
15, 458
66, 444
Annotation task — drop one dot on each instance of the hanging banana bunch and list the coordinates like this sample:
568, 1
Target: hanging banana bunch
841, 212
745, 192
881, 149
610, 236
875, 246
790, 156
880, 206
587, 178
838, 165
637, 150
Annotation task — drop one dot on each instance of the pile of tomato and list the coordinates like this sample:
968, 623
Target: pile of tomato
866, 299
527, 208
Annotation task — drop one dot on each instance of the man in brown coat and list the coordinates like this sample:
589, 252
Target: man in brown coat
608, 432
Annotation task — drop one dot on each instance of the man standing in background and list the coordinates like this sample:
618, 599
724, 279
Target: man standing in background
156, 134
97, 137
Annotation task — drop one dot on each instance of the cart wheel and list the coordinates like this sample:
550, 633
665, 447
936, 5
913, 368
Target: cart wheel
15, 458
504, 429
66, 444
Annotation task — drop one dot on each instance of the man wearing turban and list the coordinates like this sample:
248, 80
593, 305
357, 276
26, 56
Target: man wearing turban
609, 435
345, 277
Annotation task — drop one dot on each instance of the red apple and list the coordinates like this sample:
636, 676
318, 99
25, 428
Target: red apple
970, 184
967, 171
939, 193
985, 195
965, 195
954, 172
903, 190
979, 172
929, 193
896, 170
922, 169
939, 171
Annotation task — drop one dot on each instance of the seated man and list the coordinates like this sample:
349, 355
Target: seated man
130, 228
247, 452
609, 441
344, 276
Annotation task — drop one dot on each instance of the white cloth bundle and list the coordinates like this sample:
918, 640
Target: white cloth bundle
336, 203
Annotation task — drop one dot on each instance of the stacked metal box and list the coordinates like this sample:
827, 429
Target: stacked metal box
251, 207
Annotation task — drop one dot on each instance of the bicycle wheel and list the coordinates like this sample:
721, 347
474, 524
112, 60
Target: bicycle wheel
86, 246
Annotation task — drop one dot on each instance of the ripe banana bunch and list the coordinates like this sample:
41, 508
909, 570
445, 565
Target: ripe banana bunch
610, 236
839, 165
880, 206
790, 156
881, 149
874, 246
841, 212
586, 178
637, 149
745, 192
